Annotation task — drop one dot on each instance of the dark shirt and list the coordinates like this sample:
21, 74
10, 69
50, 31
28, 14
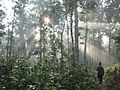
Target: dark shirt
100, 70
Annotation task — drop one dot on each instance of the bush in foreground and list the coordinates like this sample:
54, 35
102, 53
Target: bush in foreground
112, 77
48, 76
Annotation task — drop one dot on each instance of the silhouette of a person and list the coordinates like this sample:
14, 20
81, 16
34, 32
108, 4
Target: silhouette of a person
100, 72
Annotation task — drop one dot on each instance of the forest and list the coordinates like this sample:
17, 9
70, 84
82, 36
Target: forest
58, 44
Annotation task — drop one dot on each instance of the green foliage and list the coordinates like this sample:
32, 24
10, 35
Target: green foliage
2, 16
117, 45
112, 76
89, 5
112, 11
3, 75
56, 12
2, 13
2, 26
47, 76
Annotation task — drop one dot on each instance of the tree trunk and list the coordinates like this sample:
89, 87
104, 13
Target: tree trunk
44, 43
8, 42
40, 45
85, 47
71, 29
76, 36
11, 44
62, 41
109, 47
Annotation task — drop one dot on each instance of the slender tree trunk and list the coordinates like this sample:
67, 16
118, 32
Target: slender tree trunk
54, 50
44, 45
7, 62
71, 29
76, 35
11, 43
61, 46
109, 47
85, 47
62, 64
68, 42
8, 42
62, 41
68, 38
40, 46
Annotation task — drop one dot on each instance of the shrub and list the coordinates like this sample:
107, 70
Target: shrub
49, 76
112, 76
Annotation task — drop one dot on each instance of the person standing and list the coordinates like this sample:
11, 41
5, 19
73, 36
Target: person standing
100, 72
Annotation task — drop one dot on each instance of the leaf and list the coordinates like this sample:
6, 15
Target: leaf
54, 88
2, 26
2, 13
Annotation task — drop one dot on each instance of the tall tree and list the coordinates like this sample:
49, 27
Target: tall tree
76, 33
112, 16
20, 15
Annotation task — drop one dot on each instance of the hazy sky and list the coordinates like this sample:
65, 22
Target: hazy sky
8, 4
8, 10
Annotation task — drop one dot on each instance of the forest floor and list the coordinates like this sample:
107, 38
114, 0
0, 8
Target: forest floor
104, 87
